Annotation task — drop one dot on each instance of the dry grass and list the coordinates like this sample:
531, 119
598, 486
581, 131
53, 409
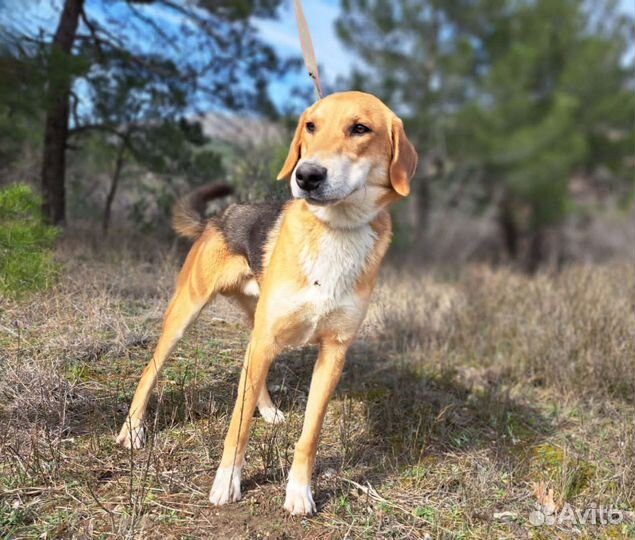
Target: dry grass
459, 395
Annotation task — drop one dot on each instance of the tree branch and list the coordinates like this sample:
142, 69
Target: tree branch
93, 32
95, 127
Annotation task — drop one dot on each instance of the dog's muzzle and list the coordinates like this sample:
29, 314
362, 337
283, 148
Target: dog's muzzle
310, 176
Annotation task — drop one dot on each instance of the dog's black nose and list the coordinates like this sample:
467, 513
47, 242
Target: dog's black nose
309, 176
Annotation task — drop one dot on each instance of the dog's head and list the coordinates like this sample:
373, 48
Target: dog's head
349, 152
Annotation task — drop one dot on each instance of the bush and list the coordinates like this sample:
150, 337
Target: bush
26, 259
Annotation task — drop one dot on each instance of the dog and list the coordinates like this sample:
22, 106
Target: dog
302, 270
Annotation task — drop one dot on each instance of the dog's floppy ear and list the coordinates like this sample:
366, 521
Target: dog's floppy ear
404, 159
294, 151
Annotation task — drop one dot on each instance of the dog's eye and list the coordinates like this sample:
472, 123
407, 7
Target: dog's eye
310, 127
360, 129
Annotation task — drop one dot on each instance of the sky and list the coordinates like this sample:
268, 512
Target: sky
282, 34
333, 59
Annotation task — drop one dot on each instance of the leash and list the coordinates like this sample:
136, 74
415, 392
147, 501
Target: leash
307, 48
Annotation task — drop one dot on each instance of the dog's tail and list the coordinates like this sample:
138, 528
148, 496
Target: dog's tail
187, 212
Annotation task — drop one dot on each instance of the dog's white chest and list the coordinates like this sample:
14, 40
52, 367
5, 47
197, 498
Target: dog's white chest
329, 301
332, 273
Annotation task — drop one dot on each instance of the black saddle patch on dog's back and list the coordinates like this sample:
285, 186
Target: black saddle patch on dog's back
246, 228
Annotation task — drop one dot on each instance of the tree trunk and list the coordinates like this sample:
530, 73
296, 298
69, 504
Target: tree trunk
509, 229
113, 186
418, 212
536, 253
57, 112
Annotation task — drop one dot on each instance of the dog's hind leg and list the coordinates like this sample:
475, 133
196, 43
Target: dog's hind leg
182, 310
200, 279
269, 412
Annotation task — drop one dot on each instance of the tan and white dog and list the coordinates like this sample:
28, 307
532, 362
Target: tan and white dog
302, 270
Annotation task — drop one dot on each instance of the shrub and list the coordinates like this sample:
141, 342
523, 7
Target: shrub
26, 259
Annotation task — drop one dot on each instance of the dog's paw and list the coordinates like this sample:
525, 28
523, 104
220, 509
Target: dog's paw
299, 499
132, 435
271, 415
226, 486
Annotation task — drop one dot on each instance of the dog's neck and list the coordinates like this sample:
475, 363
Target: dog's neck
344, 216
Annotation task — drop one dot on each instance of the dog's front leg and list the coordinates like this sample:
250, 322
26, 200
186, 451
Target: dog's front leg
261, 352
326, 374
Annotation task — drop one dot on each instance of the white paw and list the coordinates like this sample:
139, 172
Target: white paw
271, 415
226, 486
299, 500
132, 435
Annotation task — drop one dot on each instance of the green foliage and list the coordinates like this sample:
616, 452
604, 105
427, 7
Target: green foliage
176, 153
26, 260
253, 171
176, 148
21, 98
11, 518
554, 102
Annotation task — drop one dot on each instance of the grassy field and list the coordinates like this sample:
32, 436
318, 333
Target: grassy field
467, 398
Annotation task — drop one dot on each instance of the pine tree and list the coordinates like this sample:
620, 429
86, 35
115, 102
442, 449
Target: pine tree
522, 93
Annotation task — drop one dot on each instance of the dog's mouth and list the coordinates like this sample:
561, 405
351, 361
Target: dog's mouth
325, 201
322, 202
